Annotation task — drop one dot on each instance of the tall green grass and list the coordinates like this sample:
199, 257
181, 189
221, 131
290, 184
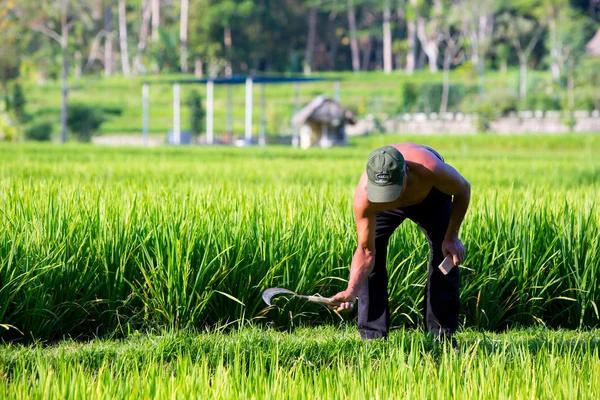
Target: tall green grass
97, 240
307, 364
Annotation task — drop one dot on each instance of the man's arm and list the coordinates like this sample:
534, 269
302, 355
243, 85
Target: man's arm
448, 180
363, 259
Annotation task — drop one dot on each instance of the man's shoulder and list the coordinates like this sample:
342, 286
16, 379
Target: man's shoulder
361, 201
363, 208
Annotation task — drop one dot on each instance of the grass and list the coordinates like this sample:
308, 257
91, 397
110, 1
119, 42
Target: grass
307, 363
97, 241
136, 273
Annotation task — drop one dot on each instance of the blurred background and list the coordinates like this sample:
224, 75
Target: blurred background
74, 69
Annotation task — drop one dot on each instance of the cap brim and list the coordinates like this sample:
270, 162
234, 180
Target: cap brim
383, 194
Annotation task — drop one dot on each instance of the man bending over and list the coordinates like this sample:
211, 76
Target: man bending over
402, 181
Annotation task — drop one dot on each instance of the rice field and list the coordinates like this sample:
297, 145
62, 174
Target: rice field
100, 240
309, 363
163, 254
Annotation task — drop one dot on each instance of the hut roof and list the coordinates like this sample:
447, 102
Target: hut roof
592, 48
325, 110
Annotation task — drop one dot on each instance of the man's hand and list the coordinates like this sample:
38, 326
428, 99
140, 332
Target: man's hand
455, 247
346, 299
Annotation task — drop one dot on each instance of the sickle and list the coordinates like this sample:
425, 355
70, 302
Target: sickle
268, 295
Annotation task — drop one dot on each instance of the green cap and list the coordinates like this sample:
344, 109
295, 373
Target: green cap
385, 173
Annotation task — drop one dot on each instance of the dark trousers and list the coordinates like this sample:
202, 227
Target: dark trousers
441, 303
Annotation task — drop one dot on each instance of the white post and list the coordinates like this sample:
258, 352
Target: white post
145, 101
176, 115
295, 135
262, 129
248, 134
209, 112
229, 111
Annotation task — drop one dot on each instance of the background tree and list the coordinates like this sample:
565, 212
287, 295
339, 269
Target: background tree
225, 14
123, 38
183, 35
155, 19
108, 37
451, 36
524, 32
145, 12
411, 14
477, 23
353, 39
429, 27
311, 36
10, 56
55, 19
387, 38
572, 32
282, 36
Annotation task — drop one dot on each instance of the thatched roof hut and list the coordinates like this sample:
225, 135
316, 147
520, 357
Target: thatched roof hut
324, 110
322, 122
592, 48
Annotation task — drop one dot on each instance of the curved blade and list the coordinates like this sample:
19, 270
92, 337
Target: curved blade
268, 294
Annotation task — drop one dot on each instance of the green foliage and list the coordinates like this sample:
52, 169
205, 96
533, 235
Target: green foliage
18, 102
271, 36
39, 131
4, 102
409, 97
196, 112
587, 77
11, 31
427, 96
84, 121
494, 104
486, 113
543, 94
537, 100
502, 101
7, 130
588, 72
584, 98
569, 120
114, 111
165, 52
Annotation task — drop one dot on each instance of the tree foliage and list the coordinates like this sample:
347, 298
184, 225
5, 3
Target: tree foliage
245, 36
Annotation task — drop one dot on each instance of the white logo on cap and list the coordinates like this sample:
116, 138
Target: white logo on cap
382, 178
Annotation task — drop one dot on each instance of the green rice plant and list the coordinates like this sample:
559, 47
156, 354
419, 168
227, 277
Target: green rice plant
98, 241
325, 363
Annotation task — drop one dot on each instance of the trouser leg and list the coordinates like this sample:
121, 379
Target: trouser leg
441, 304
373, 309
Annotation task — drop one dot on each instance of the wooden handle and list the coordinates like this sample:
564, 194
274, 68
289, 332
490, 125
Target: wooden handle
321, 300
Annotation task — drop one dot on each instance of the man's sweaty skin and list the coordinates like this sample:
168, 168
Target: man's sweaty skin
423, 172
